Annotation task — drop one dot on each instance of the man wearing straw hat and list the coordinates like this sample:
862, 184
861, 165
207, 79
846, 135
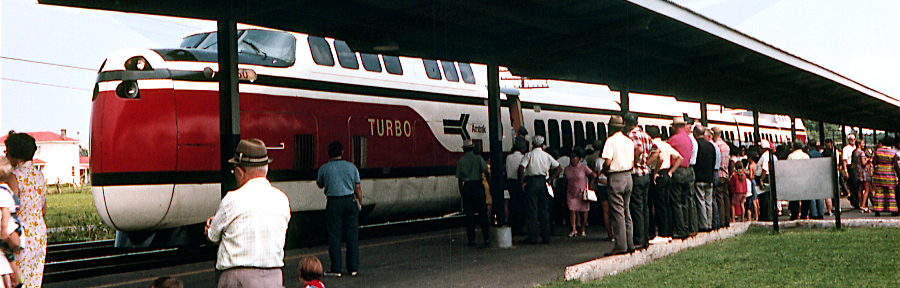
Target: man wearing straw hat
250, 223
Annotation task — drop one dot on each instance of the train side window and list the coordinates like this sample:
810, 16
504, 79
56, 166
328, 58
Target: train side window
566, 129
431, 69
392, 64
653, 131
553, 135
465, 70
321, 51
346, 57
580, 141
360, 151
370, 62
539, 128
664, 133
305, 154
601, 131
450, 71
591, 132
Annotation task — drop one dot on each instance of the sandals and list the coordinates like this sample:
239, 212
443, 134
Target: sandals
573, 234
583, 234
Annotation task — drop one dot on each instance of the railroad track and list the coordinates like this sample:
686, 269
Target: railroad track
78, 260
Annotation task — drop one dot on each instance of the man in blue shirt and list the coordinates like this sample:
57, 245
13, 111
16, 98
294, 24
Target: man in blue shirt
341, 182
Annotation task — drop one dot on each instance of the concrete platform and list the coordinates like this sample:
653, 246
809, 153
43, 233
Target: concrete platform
431, 259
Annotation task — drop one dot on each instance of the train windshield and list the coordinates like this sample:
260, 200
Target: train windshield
264, 43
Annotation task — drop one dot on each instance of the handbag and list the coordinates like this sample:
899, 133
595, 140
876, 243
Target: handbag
589, 195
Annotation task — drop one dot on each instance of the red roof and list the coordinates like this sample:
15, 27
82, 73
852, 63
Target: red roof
45, 136
84, 159
38, 161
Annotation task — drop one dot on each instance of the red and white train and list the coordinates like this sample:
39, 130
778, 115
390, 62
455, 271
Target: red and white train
155, 139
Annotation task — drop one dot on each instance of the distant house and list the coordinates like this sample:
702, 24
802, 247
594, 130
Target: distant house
59, 157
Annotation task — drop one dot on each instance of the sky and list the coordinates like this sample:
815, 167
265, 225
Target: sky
49, 55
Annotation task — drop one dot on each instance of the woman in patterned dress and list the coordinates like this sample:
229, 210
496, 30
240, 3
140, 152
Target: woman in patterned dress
860, 162
884, 199
20, 148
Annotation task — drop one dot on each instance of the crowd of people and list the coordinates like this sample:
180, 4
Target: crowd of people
23, 234
651, 190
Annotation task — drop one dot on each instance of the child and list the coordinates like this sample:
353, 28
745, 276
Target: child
737, 185
310, 271
10, 226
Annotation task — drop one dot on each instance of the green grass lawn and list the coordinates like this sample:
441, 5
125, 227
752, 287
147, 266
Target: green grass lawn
857, 257
71, 208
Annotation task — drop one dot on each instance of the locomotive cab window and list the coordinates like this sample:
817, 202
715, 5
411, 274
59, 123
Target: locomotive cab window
321, 51
346, 57
392, 64
450, 71
370, 62
431, 69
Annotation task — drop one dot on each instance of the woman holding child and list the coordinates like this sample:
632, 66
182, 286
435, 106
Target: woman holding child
29, 180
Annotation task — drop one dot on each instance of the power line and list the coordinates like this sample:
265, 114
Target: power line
46, 63
44, 84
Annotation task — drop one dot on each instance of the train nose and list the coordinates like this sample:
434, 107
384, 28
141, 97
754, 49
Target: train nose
133, 207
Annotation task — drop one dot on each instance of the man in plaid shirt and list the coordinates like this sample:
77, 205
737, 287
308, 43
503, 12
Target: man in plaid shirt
640, 210
251, 223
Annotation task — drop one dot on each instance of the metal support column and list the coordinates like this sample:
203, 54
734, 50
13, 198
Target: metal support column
229, 102
703, 119
756, 136
496, 144
623, 102
821, 133
843, 135
793, 129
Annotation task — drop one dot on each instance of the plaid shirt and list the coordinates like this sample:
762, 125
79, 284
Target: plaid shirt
642, 140
725, 155
251, 223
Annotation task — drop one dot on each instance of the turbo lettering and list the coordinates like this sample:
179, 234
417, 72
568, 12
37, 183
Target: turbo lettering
389, 127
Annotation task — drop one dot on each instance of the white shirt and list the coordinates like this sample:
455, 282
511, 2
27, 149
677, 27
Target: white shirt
6, 201
763, 163
665, 153
512, 165
718, 157
538, 163
798, 155
251, 224
847, 153
564, 162
619, 149
694, 149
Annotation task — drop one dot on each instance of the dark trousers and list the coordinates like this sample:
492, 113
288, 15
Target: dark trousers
723, 202
342, 219
853, 184
681, 191
560, 212
474, 203
516, 206
640, 209
663, 205
537, 208
766, 207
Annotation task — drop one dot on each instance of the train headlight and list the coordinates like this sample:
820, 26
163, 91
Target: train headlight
137, 63
128, 89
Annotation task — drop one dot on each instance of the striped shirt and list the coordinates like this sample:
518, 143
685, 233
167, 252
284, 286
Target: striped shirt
250, 225
641, 140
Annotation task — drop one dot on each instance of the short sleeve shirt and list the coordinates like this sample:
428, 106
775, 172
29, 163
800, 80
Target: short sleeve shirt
512, 165
619, 149
538, 163
470, 167
339, 178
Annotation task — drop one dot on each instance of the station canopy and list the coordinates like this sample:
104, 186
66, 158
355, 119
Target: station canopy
642, 46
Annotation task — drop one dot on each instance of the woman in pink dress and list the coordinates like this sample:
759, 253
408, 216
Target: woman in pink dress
578, 174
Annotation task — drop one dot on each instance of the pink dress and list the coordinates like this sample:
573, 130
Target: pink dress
577, 175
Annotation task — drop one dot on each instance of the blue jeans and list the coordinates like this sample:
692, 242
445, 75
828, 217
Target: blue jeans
342, 217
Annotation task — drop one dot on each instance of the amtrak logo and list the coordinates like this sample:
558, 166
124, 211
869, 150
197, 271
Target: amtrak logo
453, 126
